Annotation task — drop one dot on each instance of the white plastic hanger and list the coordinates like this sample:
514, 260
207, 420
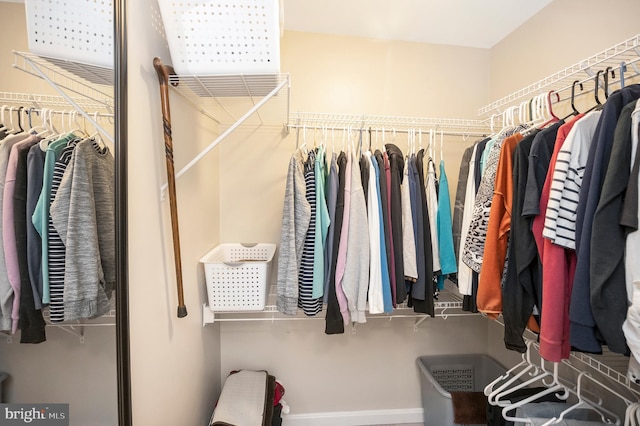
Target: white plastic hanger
512, 374
605, 415
560, 390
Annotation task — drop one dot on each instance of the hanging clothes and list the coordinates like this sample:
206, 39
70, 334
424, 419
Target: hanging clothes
332, 197
558, 266
445, 230
423, 300
322, 225
581, 311
432, 206
35, 172
310, 305
607, 276
296, 214
385, 187
56, 248
382, 254
489, 297
31, 321
518, 294
334, 323
344, 237
409, 265
459, 202
418, 288
355, 281
396, 172
9, 300
82, 215
375, 290
476, 237
40, 216
464, 272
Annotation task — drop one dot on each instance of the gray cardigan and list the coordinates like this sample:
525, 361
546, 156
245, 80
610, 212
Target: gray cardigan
296, 214
82, 213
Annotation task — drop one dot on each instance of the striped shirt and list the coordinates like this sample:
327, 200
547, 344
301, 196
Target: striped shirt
560, 217
309, 305
57, 250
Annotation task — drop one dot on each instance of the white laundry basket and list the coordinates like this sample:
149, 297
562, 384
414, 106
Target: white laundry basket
222, 36
237, 275
72, 30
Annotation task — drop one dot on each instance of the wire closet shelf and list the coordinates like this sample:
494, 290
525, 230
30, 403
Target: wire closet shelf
225, 98
623, 56
448, 304
344, 122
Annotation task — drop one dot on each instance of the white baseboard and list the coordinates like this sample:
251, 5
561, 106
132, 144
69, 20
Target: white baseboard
354, 418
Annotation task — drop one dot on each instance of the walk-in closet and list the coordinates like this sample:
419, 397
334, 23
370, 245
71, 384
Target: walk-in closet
223, 147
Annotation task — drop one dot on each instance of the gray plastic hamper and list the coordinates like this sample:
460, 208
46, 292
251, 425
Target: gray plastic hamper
442, 374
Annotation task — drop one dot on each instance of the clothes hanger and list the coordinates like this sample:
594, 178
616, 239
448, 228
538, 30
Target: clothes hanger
541, 374
573, 98
605, 77
598, 104
605, 415
555, 387
441, 143
631, 414
511, 375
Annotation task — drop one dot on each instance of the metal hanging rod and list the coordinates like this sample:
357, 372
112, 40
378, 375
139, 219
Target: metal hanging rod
46, 101
346, 122
627, 51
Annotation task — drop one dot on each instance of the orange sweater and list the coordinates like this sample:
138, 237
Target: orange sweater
489, 298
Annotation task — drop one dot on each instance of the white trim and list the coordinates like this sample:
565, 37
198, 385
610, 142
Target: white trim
353, 418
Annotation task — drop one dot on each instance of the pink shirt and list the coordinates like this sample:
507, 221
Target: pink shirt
9, 232
558, 269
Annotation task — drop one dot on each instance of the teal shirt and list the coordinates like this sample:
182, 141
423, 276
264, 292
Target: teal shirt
322, 225
485, 155
40, 217
445, 229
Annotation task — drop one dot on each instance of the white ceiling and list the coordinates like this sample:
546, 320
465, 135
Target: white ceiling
472, 23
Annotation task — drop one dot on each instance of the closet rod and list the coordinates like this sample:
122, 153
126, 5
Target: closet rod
387, 130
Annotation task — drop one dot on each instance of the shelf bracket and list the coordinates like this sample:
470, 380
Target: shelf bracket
418, 322
71, 329
7, 335
208, 317
226, 133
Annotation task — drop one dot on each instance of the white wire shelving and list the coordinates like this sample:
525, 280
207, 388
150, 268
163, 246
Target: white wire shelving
75, 328
623, 56
88, 86
327, 121
448, 304
226, 99
73, 82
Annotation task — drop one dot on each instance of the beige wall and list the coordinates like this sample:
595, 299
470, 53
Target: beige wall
560, 35
175, 362
375, 368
